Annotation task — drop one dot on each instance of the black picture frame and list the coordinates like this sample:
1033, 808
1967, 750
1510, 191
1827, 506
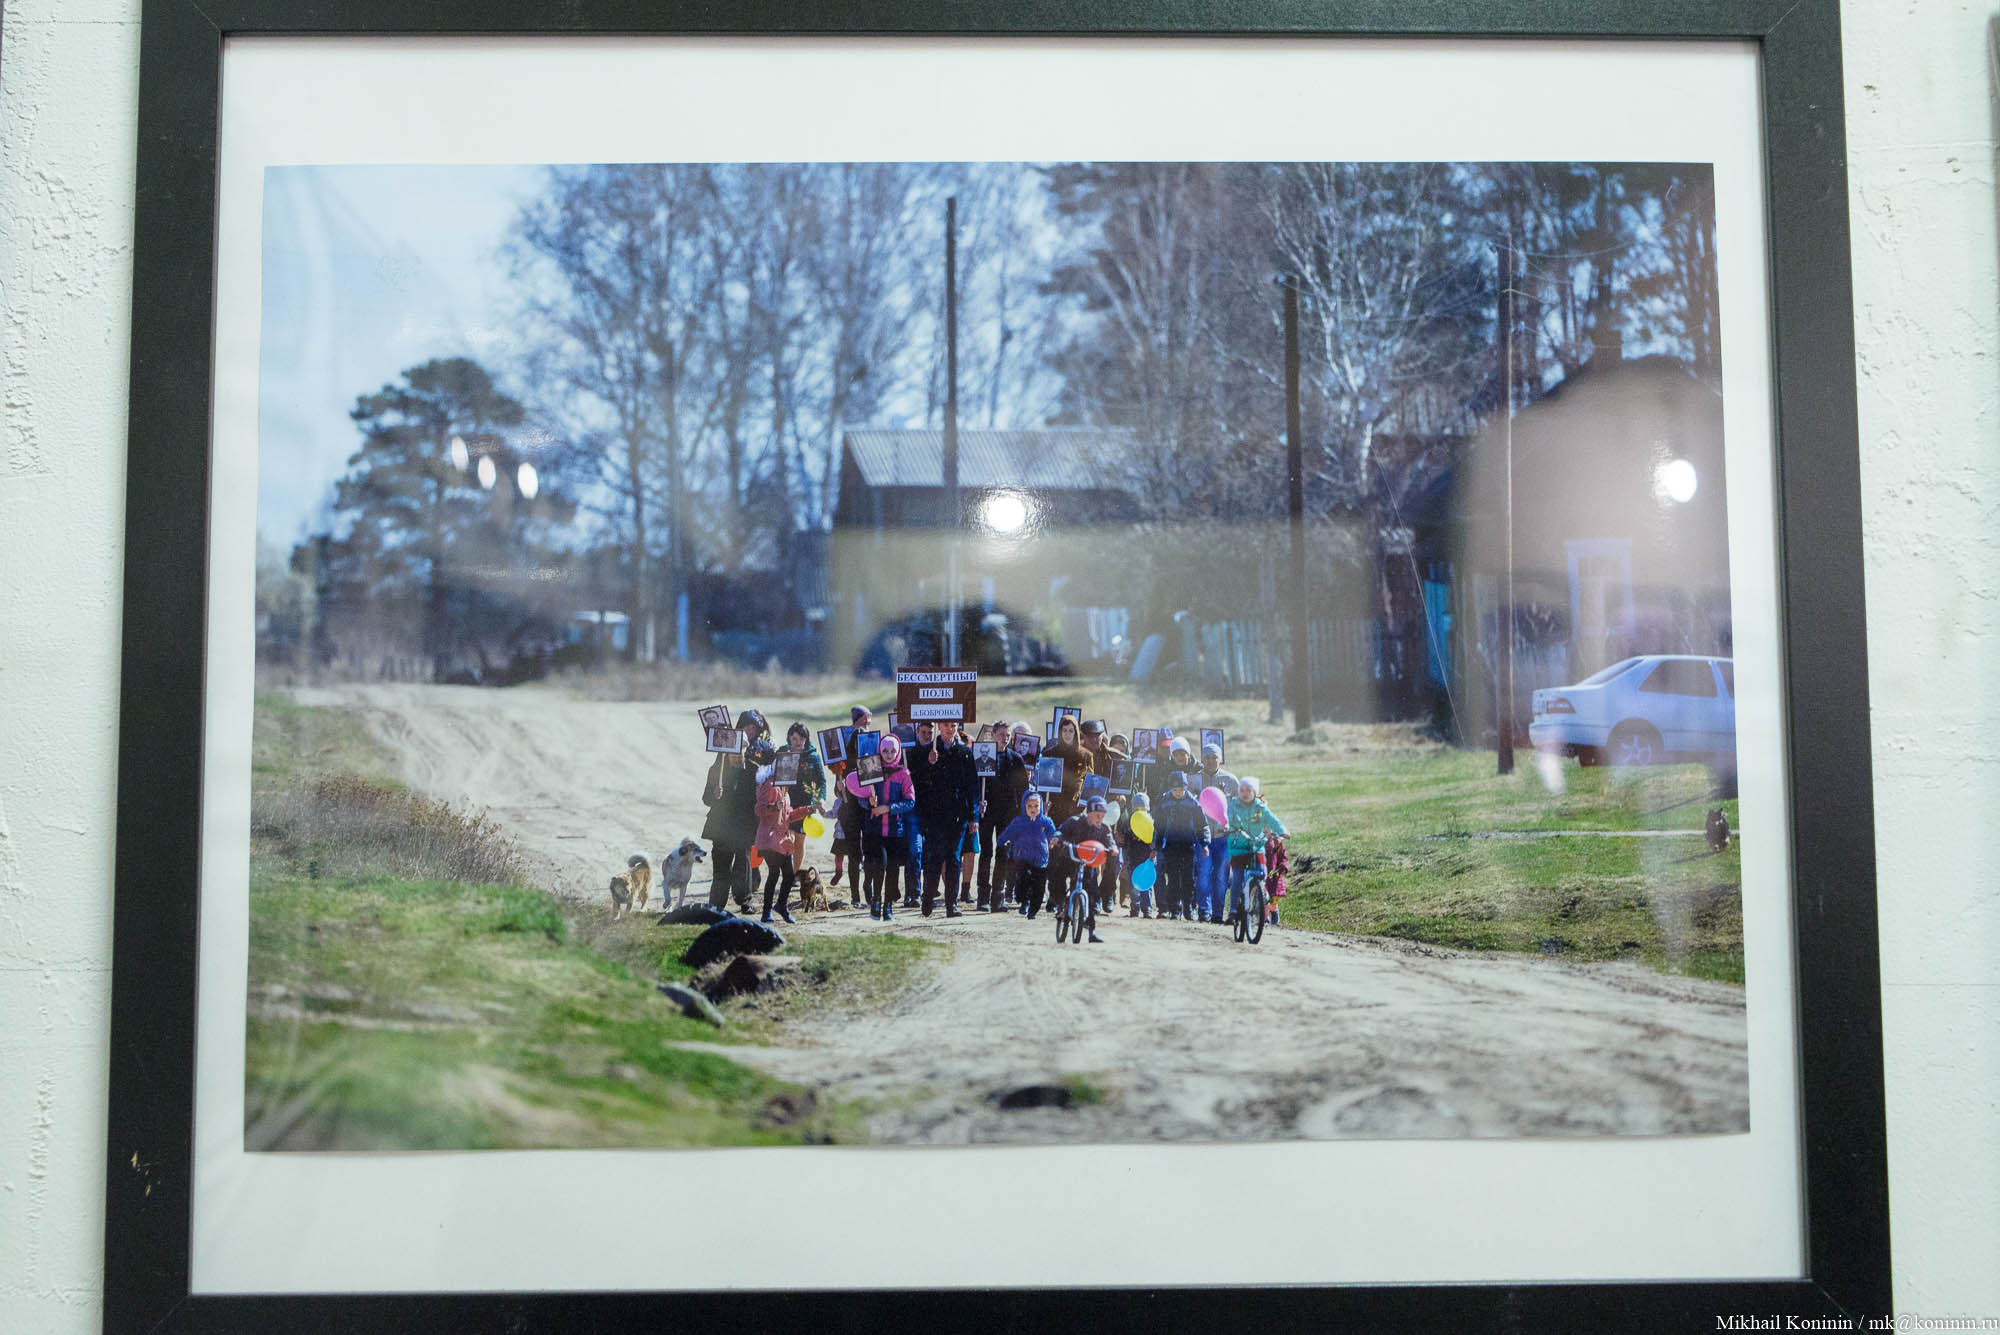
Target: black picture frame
155, 928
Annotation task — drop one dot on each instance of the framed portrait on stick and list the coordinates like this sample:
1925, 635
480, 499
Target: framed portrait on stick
1594, 577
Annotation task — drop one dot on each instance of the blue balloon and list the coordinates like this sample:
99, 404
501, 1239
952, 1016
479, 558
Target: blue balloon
1143, 874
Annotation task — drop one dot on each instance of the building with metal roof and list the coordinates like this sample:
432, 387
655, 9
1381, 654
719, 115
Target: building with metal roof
1034, 506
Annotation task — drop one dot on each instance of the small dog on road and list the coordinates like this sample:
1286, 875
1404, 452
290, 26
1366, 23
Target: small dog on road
635, 887
677, 870
812, 895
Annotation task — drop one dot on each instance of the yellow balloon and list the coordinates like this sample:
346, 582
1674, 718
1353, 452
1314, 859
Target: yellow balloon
1142, 826
813, 826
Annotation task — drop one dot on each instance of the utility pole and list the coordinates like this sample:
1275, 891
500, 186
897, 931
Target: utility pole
1295, 498
1504, 715
952, 513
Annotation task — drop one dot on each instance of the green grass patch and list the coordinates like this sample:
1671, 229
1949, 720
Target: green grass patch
1084, 1090
392, 1014
1438, 849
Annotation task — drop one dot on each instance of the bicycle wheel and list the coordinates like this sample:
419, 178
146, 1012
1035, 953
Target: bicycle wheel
1079, 912
1062, 928
1253, 910
1236, 917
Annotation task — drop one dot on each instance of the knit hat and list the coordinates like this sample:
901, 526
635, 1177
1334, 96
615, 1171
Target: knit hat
1180, 779
1179, 748
856, 714
1094, 804
1141, 802
1211, 749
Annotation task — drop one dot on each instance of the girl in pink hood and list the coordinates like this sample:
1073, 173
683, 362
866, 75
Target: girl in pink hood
777, 841
888, 829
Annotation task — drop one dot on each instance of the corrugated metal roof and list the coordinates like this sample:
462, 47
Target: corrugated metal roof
1056, 457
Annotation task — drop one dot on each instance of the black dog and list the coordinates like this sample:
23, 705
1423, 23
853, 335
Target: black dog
1718, 830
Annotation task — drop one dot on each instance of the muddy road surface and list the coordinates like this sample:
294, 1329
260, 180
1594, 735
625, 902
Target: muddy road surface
1167, 1031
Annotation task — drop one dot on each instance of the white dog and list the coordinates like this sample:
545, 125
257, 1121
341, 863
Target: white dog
676, 870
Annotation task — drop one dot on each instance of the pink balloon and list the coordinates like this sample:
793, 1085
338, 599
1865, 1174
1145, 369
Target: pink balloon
1214, 804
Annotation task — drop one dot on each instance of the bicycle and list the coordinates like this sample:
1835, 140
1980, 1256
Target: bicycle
1074, 912
1246, 921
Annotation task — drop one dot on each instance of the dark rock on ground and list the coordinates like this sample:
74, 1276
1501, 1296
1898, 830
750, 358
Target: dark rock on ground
1035, 1096
756, 973
692, 1003
707, 913
788, 1108
736, 936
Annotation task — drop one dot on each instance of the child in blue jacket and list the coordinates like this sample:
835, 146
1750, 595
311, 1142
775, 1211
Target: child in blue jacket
1028, 839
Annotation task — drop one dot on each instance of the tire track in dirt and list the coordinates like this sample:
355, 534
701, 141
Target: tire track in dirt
1189, 1035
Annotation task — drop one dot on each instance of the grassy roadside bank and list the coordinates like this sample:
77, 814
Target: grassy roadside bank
412, 988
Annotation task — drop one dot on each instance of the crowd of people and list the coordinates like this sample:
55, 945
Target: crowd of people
931, 832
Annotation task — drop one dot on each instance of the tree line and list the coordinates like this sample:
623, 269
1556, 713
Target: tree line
699, 335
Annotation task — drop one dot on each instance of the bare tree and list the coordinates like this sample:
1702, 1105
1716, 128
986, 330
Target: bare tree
622, 296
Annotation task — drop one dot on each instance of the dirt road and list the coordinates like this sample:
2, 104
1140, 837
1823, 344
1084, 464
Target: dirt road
1188, 1035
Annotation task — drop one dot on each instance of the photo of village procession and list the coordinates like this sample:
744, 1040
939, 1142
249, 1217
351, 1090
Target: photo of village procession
942, 654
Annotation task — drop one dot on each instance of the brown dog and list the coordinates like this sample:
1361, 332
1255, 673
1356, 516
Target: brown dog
812, 895
632, 890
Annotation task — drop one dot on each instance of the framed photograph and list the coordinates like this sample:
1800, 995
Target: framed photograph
864, 742
1048, 775
785, 769
986, 758
1145, 741
833, 744
1049, 732
1094, 785
1027, 746
1121, 778
715, 716
1579, 552
985, 733
1212, 737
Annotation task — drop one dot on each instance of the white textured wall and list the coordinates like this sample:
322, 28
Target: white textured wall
1921, 135
1923, 206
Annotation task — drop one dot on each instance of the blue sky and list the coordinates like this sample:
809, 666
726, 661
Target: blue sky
369, 270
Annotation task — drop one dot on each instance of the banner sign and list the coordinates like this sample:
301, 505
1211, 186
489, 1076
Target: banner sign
936, 694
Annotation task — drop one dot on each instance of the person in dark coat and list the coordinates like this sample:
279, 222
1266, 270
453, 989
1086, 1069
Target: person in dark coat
947, 801
1003, 799
1179, 827
1076, 765
730, 794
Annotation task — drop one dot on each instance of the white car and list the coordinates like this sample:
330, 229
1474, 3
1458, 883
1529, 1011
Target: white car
1642, 711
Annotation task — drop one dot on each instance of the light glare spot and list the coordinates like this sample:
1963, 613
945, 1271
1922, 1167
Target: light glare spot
488, 474
1675, 481
1004, 513
459, 458
525, 479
